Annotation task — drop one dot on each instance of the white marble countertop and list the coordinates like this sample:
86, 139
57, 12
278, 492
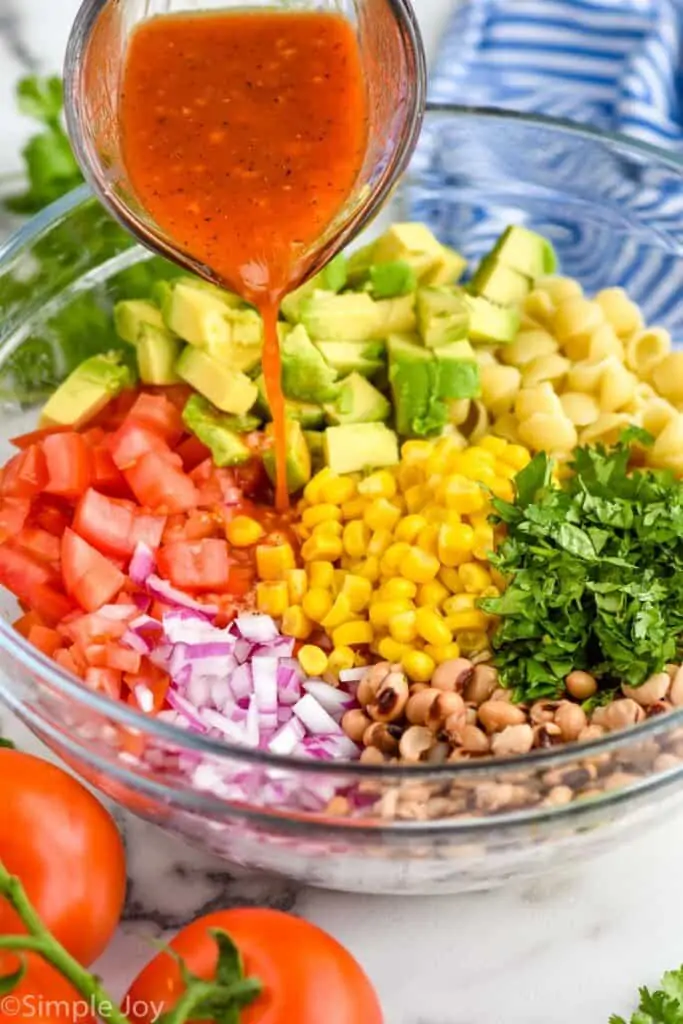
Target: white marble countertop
568, 948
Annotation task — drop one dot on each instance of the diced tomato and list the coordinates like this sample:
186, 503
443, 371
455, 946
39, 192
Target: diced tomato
21, 572
196, 565
94, 628
25, 441
158, 609
134, 440
105, 474
192, 452
46, 640
251, 477
25, 623
112, 655
153, 678
25, 475
13, 514
89, 577
51, 604
65, 658
68, 464
160, 415
196, 525
51, 514
104, 680
39, 543
94, 436
115, 412
114, 526
216, 486
159, 485
176, 393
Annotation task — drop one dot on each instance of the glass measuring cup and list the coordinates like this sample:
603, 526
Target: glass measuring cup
394, 64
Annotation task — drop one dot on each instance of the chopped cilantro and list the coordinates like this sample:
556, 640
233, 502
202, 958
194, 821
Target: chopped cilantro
662, 1007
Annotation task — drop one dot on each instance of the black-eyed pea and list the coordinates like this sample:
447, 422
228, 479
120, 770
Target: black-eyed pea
474, 740
571, 718
371, 755
471, 714
494, 796
660, 707
438, 754
559, 796
354, 723
666, 762
620, 714
415, 743
382, 737
496, 715
453, 675
591, 732
581, 685
548, 734
501, 694
482, 684
676, 691
448, 705
514, 739
390, 699
419, 704
653, 689
619, 780
543, 711
371, 682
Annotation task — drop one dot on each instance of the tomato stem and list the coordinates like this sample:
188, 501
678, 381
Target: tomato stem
39, 940
200, 994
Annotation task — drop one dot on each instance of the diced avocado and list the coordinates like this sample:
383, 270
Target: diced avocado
358, 265
306, 376
229, 298
315, 440
391, 280
305, 413
331, 278
298, 457
526, 252
443, 315
228, 389
213, 429
491, 324
131, 315
157, 351
353, 356
203, 315
413, 244
86, 391
423, 380
396, 316
448, 270
500, 284
348, 317
357, 446
358, 402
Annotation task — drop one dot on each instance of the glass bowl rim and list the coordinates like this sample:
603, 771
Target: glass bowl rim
46, 670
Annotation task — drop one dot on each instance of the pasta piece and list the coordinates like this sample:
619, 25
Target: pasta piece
538, 308
478, 422
667, 451
528, 345
459, 410
586, 376
622, 314
657, 414
667, 377
499, 387
554, 434
542, 398
646, 349
579, 408
607, 429
617, 386
552, 368
603, 343
576, 316
485, 354
560, 288
506, 426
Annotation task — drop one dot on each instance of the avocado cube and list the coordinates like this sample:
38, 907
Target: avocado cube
448, 270
229, 390
309, 415
423, 381
332, 278
132, 315
413, 244
315, 439
358, 402
157, 352
213, 429
458, 373
442, 315
348, 317
306, 376
391, 280
353, 356
500, 284
526, 252
358, 265
396, 316
491, 324
86, 391
357, 446
299, 469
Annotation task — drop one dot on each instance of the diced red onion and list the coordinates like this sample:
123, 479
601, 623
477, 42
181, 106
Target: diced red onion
351, 675
117, 612
288, 685
260, 629
141, 564
287, 738
334, 701
241, 682
163, 590
264, 673
221, 694
314, 717
144, 697
215, 720
136, 642
251, 725
284, 714
198, 691
182, 625
186, 709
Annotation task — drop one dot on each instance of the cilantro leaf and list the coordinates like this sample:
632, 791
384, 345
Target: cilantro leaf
664, 1006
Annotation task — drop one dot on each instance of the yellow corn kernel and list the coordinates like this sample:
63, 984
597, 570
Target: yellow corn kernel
484, 542
302, 532
399, 589
358, 590
418, 565
356, 538
296, 623
496, 445
490, 592
338, 581
455, 544
459, 603
338, 489
317, 603
432, 594
313, 489
416, 451
503, 489
462, 495
297, 584
434, 514
474, 578
479, 471
381, 514
320, 574
243, 531
473, 642
352, 633
323, 547
474, 619
369, 569
431, 627
505, 470
498, 579
442, 652
409, 475
416, 497
391, 650
272, 598
403, 627
392, 558
382, 612
450, 579
341, 659
354, 508
360, 660
418, 666
328, 528
339, 613
428, 538
313, 660
317, 514
379, 542
378, 485
273, 561
517, 456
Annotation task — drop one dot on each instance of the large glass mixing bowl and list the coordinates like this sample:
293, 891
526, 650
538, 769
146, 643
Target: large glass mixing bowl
614, 210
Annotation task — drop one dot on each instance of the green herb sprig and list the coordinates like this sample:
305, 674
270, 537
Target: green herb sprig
665, 1006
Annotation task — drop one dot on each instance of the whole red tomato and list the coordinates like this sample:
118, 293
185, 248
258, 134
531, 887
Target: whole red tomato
43, 996
65, 849
307, 976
